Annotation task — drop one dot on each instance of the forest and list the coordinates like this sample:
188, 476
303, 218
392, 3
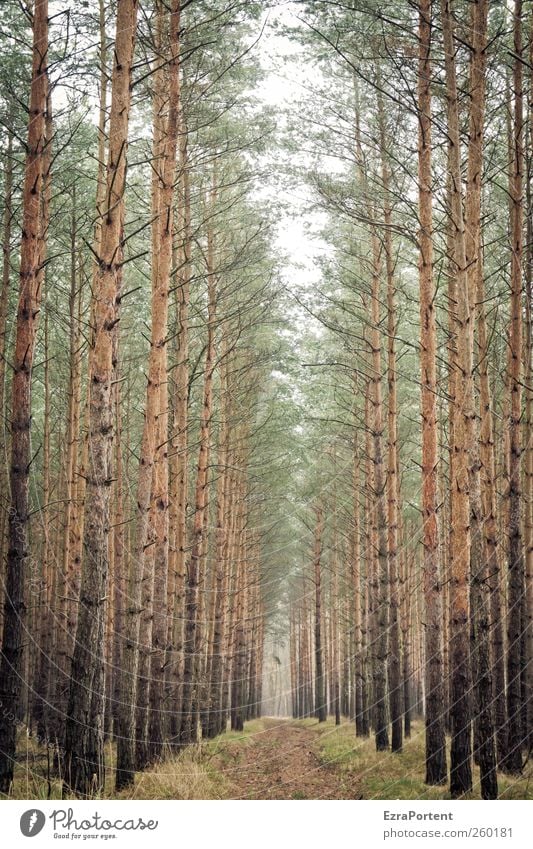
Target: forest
266, 394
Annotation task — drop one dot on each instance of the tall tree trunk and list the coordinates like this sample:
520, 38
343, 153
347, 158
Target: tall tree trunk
31, 261
334, 609
406, 640
166, 179
45, 623
84, 738
379, 493
179, 500
435, 742
119, 553
44, 628
360, 725
379, 513
395, 691
490, 529
241, 593
320, 695
512, 762
152, 484
480, 624
528, 436
188, 732
222, 566
7, 224
67, 611
461, 768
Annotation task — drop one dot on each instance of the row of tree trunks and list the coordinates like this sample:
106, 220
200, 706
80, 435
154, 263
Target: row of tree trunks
353, 678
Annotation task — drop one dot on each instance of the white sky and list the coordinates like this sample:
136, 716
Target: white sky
289, 75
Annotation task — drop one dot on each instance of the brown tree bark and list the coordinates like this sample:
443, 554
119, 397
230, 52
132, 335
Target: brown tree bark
179, 500
119, 554
188, 732
512, 762
152, 482
43, 627
84, 737
406, 640
480, 624
379, 507
528, 425
30, 294
160, 496
320, 695
461, 769
223, 502
7, 226
69, 581
239, 654
360, 726
435, 742
395, 690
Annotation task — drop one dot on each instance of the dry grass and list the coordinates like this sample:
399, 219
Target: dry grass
385, 775
200, 771
186, 776
196, 773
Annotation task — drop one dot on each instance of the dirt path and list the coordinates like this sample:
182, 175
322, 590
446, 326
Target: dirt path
281, 762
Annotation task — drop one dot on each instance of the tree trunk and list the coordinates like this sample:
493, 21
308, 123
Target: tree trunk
481, 661
512, 762
164, 232
84, 738
188, 732
223, 502
179, 500
320, 695
7, 224
461, 769
31, 261
360, 726
435, 742
395, 691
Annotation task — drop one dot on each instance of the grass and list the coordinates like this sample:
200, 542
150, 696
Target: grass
385, 775
199, 772
196, 773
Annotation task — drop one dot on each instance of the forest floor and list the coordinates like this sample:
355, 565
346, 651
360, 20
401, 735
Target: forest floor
276, 759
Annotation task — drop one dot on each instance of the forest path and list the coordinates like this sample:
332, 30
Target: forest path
282, 761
